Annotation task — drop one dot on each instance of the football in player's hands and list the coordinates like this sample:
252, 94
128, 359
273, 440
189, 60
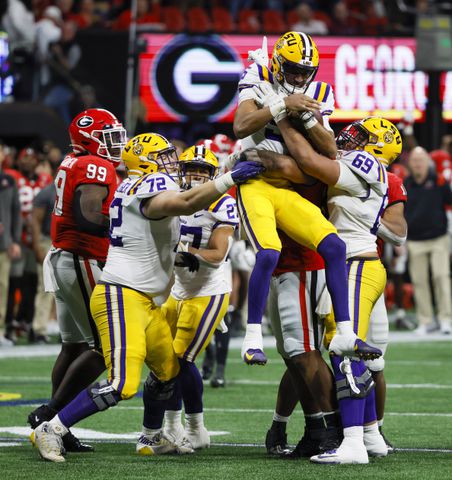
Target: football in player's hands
298, 120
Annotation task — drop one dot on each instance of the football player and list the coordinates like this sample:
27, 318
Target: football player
144, 234
85, 183
357, 197
288, 86
198, 300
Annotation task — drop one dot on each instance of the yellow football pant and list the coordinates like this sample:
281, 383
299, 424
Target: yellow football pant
366, 282
133, 331
263, 208
193, 322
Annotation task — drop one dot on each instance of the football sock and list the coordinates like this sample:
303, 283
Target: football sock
173, 419
192, 387
222, 346
380, 422
81, 407
370, 412
332, 420
351, 408
81, 373
279, 418
154, 411
259, 284
175, 402
354, 433
193, 421
314, 421
332, 250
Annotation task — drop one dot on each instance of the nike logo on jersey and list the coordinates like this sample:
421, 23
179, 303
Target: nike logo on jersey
197, 215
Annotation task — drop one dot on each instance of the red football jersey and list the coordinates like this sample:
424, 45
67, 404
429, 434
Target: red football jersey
28, 189
65, 233
294, 257
396, 194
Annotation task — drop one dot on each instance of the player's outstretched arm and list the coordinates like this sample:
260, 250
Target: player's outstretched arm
306, 157
170, 203
87, 207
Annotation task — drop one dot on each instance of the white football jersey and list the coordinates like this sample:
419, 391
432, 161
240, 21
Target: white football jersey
269, 137
357, 201
196, 229
142, 251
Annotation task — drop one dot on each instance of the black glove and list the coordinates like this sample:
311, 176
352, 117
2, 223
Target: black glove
187, 259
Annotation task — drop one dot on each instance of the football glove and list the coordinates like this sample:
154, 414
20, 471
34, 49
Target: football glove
187, 259
260, 55
244, 171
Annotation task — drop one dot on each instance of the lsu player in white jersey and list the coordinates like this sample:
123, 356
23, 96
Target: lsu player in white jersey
266, 94
144, 234
199, 299
357, 197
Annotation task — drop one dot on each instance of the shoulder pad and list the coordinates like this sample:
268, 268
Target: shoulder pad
367, 167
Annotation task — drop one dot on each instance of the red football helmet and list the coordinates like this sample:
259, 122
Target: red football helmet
223, 143
98, 132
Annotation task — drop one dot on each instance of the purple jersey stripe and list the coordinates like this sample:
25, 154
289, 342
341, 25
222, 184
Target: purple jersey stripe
244, 216
111, 331
214, 318
122, 325
261, 74
359, 272
317, 91
199, 329
327, 92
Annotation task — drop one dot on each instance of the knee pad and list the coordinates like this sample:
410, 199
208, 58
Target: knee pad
353, 380
104, 395
376, 365
155, 389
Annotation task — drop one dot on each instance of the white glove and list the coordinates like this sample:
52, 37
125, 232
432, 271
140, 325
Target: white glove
260, 55
267, 97
343, 342
253, 338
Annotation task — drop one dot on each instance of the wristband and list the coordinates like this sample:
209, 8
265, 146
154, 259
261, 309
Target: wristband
224, 182
277, 107
308, 120
344, 327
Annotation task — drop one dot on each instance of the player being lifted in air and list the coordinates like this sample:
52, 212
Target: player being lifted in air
357, 197
266, 204
198, 302
144, 234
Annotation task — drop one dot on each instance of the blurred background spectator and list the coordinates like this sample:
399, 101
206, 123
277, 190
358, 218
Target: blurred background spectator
307, 23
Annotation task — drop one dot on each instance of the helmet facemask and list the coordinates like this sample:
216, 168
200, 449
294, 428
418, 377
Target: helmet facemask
168, 162
353, 137
296, 78
111, 142
195, 173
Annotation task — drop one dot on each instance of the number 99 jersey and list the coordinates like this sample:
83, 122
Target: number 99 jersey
65, 233
196, 229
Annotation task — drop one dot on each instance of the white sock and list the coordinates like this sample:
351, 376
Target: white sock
280, 418
194, 421
380, 422
354, 433
60, 428
173, 419
372, 429
151, 432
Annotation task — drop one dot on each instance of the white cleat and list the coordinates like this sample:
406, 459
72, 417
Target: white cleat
199, 437
349, 452
375, 444
184, 446
175, 434
158, 444
446, 328
47, 438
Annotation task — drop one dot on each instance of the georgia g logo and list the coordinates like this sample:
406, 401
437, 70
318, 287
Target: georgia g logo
85, 121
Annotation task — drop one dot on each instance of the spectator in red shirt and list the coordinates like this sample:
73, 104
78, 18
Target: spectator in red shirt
148, 12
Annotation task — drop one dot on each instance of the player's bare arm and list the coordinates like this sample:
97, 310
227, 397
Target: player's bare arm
250, 119
37, 219
393, 228
218, 246
307, 159
88, 209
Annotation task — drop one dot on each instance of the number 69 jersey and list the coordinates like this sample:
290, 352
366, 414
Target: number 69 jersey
196, 229
357, 201
142, 251
65, 233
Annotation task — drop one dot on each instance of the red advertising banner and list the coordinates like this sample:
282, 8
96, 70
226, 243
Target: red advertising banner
195, 77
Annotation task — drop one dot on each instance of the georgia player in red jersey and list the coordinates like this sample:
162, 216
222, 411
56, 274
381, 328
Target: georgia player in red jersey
23, 275
85, 184
298, 298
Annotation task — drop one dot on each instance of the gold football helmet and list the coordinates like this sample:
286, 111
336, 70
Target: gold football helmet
295, 61
150, 153
375, 135
197, 165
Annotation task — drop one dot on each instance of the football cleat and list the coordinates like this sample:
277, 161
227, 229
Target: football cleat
158, 444
276, 442
48, 440
199, 437
185, 447
217, 382
307, 446
255, 356
388, 443
365, 351
72, 444
375, 444
349, 452
41, 414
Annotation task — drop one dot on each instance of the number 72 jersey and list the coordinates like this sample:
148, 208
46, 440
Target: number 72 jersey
73, 172
357, 201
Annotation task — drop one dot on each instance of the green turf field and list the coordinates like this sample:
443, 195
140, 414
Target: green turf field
418, 421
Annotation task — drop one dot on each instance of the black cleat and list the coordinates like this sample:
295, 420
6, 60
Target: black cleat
388, 443
276, 441
333, 438
206, 371
41, 414
72, 444
217, 382
306, 447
